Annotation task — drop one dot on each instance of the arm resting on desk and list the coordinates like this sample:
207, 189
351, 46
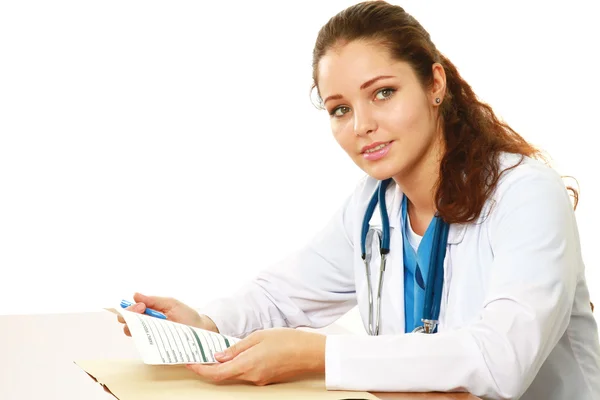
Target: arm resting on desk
526, 312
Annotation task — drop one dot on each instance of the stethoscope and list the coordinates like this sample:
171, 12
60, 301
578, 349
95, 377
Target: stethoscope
435, 278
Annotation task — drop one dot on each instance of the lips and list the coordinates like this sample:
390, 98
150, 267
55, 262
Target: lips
376, 151
374, 147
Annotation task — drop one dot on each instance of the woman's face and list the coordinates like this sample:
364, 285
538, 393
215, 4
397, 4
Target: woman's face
380, 115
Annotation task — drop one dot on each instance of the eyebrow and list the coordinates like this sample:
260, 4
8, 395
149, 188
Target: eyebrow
362, 87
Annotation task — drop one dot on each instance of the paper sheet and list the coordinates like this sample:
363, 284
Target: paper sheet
133, 380
161, 341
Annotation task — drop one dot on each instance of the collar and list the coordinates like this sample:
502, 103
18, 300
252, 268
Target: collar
393, 197
456, 233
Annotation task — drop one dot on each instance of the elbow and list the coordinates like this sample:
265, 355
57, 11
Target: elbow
499, 374
504, 390
502, 382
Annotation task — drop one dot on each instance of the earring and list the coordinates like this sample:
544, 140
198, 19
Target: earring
437, 100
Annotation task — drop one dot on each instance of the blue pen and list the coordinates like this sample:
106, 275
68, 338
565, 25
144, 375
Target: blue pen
149, 311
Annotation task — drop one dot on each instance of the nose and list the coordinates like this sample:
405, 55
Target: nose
364, 123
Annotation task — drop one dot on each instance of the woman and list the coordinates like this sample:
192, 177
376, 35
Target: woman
484, 258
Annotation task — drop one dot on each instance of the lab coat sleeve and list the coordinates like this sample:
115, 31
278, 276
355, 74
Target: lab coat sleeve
311, 288
530, 293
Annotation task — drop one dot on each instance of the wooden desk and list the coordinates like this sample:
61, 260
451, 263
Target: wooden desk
37, 353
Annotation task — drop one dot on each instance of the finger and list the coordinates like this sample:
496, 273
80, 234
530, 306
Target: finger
155, 302
137, 308
235, 350
217, 372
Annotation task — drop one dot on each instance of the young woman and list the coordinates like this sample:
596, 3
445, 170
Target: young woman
475, 278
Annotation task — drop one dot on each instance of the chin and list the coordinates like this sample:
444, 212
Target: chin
381, 173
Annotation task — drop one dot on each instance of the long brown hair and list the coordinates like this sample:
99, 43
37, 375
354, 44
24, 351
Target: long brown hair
474, 136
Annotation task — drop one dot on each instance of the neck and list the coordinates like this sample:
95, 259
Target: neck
418, 185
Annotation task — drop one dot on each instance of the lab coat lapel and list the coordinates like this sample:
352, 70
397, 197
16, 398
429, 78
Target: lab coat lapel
456, 235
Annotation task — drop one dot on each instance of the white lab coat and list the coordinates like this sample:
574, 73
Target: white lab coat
515, 319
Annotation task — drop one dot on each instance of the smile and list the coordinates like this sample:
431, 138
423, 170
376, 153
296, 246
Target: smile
374, 149
377, 152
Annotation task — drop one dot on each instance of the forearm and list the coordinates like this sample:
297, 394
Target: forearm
245, 312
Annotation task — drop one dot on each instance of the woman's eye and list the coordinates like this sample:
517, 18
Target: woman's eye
340, 111
383, 94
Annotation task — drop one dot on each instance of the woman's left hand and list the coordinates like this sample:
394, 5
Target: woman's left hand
267, 356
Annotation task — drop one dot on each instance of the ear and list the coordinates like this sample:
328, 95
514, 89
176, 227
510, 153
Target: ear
438, 88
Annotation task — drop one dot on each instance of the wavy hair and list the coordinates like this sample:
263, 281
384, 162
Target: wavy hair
474, 136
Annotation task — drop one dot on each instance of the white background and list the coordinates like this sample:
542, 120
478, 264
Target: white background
172, 147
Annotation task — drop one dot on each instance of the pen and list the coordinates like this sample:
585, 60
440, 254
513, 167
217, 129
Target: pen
149, 311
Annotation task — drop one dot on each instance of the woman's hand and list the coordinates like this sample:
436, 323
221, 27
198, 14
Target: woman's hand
175, 311
267, 356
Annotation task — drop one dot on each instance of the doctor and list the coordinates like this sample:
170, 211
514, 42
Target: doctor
460, 247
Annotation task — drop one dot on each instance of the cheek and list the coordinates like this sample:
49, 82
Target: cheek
343, 133
405, 118
409, 120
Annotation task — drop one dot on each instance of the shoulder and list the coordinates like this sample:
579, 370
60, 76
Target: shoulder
521, 177
515, 167
528, 189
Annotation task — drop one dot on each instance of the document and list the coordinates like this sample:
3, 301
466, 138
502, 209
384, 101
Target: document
134, 380
164, 342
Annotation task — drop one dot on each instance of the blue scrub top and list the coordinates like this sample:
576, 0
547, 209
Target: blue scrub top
416, 271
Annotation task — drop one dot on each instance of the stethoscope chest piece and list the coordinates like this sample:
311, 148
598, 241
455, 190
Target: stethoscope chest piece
434, 284
427, 327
